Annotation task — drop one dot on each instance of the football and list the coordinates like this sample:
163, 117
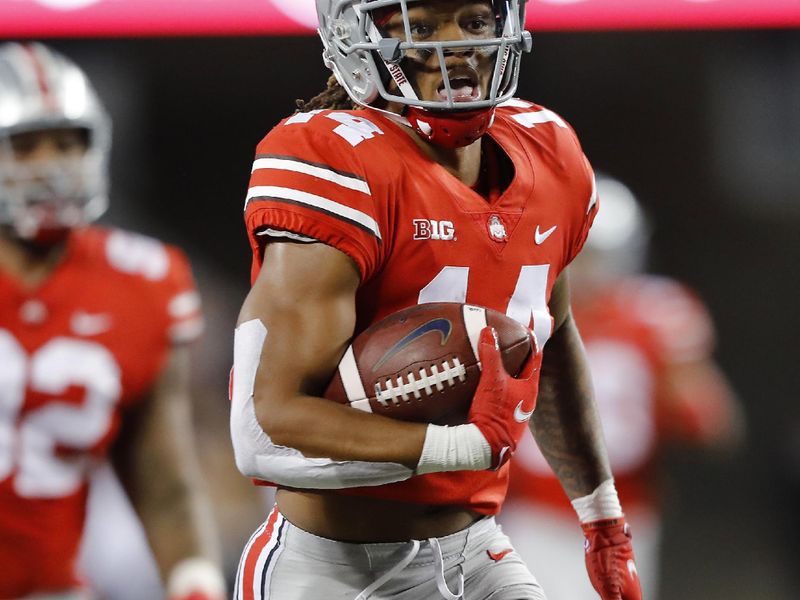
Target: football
421, 364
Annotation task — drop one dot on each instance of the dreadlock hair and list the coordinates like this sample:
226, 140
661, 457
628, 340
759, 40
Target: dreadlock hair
332, 97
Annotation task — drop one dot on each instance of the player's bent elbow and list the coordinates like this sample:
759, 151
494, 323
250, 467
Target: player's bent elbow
259, 456
274, 420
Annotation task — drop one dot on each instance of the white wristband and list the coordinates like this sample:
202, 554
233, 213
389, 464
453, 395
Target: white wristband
603, 503
459, 448
196, 575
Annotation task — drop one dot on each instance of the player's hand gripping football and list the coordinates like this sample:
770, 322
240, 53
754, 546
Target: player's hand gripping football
610, 561
502, 405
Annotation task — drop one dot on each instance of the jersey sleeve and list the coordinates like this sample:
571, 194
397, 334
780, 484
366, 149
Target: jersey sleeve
308, 184
592, 205
677, 319
161, 274
182, 306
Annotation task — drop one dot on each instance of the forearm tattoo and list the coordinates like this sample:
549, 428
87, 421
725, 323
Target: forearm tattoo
566, 424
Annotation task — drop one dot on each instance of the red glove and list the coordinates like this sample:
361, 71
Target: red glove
610, 561
502, 405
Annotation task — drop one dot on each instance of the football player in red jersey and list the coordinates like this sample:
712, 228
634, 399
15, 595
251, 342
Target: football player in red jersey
93, 332
649, 341
438, 185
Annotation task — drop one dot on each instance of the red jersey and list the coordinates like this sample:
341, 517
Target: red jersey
635, 333
356, 181
75, 352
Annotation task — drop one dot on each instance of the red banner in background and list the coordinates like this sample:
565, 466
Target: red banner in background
82, 18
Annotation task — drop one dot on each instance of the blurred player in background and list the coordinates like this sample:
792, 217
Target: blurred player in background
94, 329
649, 341
415, 177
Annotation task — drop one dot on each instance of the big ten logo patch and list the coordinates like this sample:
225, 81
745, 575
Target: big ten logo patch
428, 229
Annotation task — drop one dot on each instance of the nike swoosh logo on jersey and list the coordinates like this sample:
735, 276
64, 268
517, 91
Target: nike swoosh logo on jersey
89, 324
442, 326
520, 416
498, 556
542, 237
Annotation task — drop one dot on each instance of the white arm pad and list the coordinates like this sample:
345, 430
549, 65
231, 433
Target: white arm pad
459, 448
603, 503
258, 457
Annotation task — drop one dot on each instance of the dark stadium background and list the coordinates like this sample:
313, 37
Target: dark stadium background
703, 126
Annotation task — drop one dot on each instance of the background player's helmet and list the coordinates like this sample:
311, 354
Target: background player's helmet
618, 241
42, 90
365, 61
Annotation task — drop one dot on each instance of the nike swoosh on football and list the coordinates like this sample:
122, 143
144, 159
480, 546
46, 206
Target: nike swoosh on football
498, 556
542, 237
520, 416
443, 326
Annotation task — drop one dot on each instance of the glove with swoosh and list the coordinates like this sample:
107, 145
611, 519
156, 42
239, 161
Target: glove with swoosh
610, 560
502, 404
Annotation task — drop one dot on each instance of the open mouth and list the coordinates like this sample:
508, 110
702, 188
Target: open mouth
463, 83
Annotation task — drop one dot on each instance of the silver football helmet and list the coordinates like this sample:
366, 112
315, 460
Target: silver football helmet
619, 238
364, 60
42, 90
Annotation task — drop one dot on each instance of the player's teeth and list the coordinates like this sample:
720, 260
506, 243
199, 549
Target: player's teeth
465, 92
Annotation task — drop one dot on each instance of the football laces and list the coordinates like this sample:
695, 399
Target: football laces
403, 388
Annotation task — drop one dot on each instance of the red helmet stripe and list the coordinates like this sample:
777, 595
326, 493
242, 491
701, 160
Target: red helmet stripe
41, 77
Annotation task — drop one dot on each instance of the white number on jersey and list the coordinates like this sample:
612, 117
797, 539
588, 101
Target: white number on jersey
532, 119
137, 255
28, 445
352, 128
528, 304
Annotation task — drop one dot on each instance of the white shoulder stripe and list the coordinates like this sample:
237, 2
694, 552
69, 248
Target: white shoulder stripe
317, 202
475, 322
296, 166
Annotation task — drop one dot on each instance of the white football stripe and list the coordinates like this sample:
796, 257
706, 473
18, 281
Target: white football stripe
351, 378
474, 321
296, 166
351, 214
363, 405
